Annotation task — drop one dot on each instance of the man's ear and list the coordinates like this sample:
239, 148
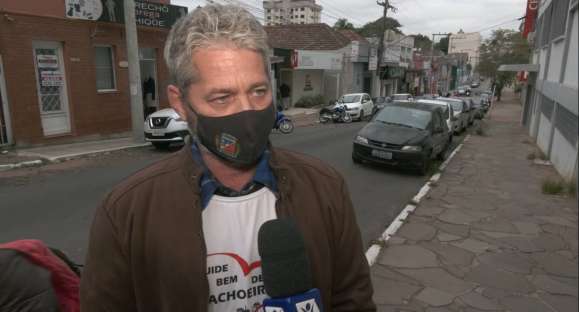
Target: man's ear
176, 101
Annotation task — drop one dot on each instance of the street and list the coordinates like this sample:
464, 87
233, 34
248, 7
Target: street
55, 203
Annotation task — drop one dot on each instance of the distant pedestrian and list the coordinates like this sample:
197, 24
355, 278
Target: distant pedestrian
285, 91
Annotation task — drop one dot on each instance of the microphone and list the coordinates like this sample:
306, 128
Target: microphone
285, 269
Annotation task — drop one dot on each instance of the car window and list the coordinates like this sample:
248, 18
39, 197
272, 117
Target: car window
406, 116
456, 105
350, 98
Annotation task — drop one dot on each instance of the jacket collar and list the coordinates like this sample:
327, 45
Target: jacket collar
193, 172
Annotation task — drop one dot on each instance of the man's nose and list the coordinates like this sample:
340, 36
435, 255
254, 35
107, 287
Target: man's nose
245, 103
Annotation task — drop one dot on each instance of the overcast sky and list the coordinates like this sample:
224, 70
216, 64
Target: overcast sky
418, 16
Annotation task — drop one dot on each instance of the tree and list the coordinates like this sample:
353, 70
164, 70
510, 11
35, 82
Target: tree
442, 45
343, 23
422, 42
374, 29
505, 46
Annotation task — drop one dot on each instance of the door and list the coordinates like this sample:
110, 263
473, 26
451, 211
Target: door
368, 105
5, 128
149, 81
51, 87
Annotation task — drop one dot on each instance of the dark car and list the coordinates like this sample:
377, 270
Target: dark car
407, 134
380, 102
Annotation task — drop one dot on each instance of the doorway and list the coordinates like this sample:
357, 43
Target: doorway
149, 81
51, 87
5, 128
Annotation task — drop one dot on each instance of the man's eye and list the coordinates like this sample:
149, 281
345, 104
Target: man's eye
221, 99
259, 92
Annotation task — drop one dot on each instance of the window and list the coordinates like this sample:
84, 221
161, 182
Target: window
546, 31
560, 10
105, 71
268, 10
302, 16
547, 107
566, 123
301, 9
269, 17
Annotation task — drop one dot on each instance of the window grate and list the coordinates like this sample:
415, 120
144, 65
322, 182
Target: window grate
566, 122
547, 106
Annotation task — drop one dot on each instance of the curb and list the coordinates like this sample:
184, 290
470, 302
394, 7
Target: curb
46, 160
374, 250
90, 153
30, 163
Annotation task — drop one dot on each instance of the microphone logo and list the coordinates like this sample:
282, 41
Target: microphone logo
307, 306
273, 309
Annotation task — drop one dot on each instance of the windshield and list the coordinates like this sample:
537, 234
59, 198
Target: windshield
456, 105
350, 98
404, 116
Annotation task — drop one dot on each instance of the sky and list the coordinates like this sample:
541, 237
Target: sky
417, 16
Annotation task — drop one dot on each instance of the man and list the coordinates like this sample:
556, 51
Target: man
285, 90
181, 235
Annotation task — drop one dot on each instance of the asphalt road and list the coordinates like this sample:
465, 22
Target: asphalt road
55, 203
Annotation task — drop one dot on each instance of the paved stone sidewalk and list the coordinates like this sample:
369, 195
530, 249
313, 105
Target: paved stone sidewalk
485, 238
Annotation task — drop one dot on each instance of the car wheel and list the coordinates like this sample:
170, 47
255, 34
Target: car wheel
426, 163
442, 155
161, 145
361, 115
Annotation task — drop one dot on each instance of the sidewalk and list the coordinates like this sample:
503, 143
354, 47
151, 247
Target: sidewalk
485, 238
55, 153
302, 116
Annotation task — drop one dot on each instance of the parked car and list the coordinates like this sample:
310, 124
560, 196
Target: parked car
485, 102
380, 102
447, 113
165, 127
460, 113
403, 134
358, 105
402, 97
475, 85
472, 110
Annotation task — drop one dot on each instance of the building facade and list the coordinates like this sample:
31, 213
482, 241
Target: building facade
64, 70
469, 43
550, 96
283, 12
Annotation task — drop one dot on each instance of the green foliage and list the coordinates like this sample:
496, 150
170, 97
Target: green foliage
442, 45
308, 101
343, 23
503, 47
553, 187
422, 42
375, 28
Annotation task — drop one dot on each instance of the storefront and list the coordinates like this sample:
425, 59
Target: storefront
66, 71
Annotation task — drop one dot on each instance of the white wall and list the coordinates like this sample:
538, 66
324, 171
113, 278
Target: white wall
543, 62
299, 82
556, 61
563, 155
544, 134
571, 69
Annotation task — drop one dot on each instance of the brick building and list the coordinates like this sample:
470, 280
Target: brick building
63, 69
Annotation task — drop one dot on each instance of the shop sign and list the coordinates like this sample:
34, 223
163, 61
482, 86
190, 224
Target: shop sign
51, 78
302, 59
47, 61
146, 13
373, 61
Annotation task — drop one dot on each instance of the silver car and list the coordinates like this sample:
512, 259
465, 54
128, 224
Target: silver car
165, 127
461, 113
447, 112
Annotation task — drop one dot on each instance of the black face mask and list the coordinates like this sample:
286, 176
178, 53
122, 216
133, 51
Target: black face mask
239, 138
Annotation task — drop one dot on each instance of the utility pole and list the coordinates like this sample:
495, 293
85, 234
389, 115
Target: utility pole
386, 5
137, 112
432, 60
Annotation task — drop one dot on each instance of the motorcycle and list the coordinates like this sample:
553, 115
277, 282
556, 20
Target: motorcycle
283, 123
338, 113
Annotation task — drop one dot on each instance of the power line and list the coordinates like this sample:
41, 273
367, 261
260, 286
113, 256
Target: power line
498, 25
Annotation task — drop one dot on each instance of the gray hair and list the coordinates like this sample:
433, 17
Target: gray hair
206, 26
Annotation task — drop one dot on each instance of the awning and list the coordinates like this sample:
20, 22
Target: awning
276, 59
519, 67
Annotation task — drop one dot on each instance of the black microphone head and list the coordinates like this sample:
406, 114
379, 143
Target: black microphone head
284, 262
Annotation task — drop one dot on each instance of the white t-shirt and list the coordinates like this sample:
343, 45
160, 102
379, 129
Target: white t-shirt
231, 226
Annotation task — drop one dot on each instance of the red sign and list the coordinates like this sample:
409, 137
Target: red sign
531, 16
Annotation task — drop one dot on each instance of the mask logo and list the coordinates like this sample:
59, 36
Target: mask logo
228, 145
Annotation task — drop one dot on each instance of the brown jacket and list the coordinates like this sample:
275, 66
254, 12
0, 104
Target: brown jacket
147, 250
